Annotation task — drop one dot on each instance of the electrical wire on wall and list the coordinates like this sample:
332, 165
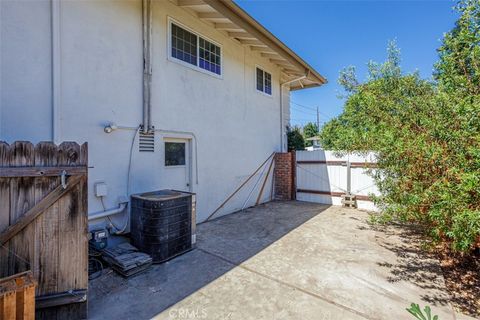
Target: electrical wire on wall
121, 230
112, 127
108, 217
127, 218
130, 159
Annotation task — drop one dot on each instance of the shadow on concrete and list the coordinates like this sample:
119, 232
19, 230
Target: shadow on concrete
415, 264
222, 244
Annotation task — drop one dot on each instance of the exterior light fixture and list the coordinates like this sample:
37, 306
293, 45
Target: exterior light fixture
110, 127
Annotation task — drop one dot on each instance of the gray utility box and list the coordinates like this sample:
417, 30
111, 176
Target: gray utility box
163, 223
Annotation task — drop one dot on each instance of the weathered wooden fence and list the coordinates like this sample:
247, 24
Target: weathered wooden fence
43, 222
322, 177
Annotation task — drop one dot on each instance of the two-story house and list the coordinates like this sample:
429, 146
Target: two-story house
170, 94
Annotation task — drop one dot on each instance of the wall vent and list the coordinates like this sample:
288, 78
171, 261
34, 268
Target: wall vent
147, 142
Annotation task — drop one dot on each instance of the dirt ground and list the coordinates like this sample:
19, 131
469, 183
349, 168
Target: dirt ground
462, 277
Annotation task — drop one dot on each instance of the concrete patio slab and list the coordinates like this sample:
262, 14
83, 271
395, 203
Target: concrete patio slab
282, 260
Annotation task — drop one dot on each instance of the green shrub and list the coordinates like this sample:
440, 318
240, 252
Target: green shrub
426, 135
295, 139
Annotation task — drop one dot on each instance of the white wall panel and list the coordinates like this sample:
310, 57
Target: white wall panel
25, 70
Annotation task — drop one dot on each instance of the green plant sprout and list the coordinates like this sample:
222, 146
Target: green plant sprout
418, 314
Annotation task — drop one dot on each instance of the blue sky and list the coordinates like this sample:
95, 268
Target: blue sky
331, 35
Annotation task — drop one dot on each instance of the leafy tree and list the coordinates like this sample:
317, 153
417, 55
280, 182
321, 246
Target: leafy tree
295, 139
426, 134
458, 71
310, 130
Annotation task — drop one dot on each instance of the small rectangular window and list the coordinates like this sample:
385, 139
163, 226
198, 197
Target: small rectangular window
268, 83
259, 79
184, 45
264, 81
195, 50
209, 56
174, 153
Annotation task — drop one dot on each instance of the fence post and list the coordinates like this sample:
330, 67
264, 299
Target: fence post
294, 175
349, 177
284, 176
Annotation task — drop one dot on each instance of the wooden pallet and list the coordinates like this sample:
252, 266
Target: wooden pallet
17, 297
349, 201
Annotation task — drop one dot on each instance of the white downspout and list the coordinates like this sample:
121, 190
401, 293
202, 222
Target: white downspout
56, 70
282, 142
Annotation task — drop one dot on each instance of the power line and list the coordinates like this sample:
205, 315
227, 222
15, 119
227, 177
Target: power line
302, 111
303, 106
307, 118
315, 117
303, 120
311, 108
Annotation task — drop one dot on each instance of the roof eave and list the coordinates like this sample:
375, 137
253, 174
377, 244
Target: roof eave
306, 86
233, 12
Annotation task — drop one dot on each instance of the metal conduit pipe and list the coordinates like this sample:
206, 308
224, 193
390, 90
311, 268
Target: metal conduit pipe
124, 202
110, 212
147, 64
282, 148
111, 127
147, 82
56, 69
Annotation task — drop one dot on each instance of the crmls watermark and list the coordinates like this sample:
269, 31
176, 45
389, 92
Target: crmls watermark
186, 313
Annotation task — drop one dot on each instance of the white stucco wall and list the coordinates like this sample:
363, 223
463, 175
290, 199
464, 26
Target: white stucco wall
25, 62
101, 67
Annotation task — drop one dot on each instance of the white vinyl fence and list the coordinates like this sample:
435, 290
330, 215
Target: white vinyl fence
323, 178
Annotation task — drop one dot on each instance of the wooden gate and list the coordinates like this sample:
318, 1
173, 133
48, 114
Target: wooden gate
43, 222
323, 177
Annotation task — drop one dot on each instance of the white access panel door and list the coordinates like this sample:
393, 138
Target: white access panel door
176, 159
